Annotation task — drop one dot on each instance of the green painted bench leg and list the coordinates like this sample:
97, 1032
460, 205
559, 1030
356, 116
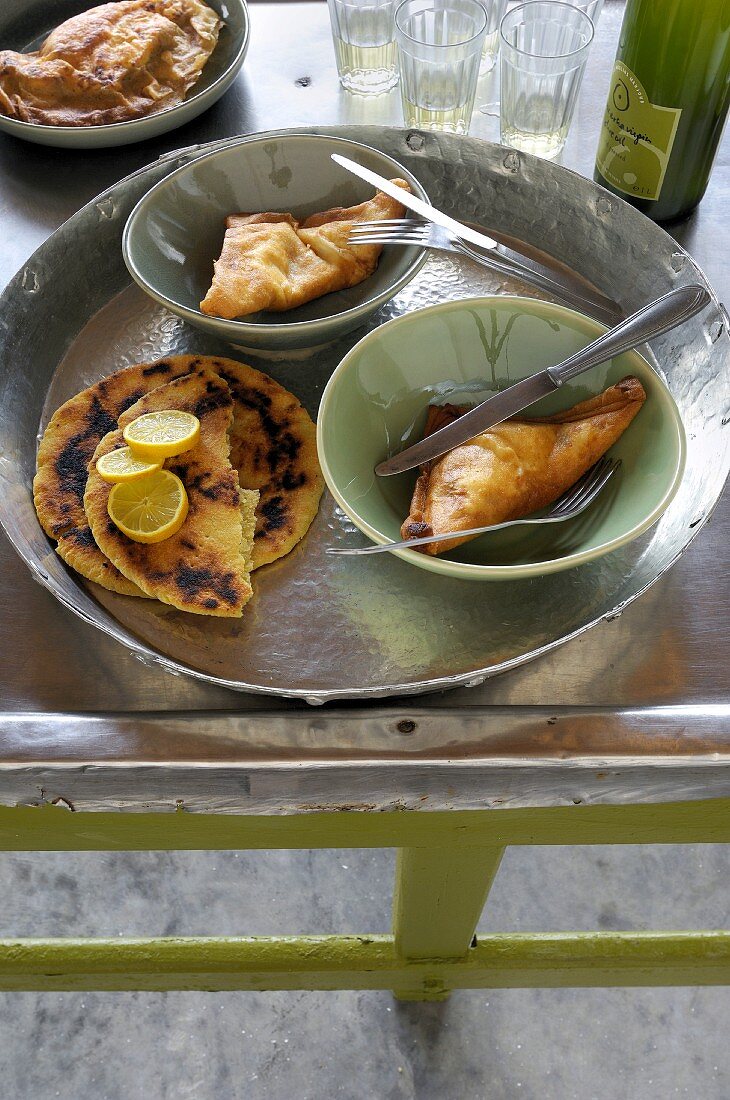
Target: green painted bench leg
439, 896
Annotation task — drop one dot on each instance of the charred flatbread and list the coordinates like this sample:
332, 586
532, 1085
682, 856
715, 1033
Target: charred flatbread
273, 446
205, 567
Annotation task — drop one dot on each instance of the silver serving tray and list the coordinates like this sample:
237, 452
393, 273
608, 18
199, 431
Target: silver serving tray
322, 628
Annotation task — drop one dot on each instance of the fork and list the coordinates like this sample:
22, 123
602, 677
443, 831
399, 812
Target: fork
570, 504
408, 231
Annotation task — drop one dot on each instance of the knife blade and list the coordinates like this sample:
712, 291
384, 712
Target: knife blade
430, 213
490, 412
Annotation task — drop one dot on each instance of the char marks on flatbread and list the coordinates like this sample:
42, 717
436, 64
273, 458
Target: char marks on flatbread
203, 568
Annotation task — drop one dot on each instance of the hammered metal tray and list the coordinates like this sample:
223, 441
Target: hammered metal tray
322, 628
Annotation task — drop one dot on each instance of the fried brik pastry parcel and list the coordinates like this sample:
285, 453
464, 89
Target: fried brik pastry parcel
514, 468
272, 262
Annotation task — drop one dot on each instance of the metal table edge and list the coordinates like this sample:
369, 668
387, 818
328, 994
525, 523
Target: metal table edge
411, 778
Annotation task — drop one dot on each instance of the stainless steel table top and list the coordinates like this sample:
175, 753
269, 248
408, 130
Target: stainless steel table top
632, 711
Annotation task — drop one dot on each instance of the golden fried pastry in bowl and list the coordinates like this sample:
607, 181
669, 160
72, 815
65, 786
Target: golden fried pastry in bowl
119, 72
275, 263
249, 242
515, 468
419, 371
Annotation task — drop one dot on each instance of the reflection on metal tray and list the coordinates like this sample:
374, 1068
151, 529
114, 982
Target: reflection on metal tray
325, 628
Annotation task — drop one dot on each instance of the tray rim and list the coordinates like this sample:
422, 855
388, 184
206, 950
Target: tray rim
104, 621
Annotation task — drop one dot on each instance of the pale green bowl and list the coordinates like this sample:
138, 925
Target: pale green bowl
175, 233
375, 402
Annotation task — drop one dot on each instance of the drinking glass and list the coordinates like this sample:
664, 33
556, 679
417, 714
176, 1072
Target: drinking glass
592, 8
544, 47
490, 50
439, 52
363, 37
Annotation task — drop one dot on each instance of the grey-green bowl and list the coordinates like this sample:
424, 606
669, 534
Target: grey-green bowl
24, 24
374, 404
175, 232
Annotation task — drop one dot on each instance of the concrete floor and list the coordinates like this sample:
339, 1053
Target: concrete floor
532, 1045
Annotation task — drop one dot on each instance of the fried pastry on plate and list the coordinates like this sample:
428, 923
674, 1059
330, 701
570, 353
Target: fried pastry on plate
271, 262
516, 467
205, 567
111, 63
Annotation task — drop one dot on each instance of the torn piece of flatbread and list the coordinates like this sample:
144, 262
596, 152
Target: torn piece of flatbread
274, 449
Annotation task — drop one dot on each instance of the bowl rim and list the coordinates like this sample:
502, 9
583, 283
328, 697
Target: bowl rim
473, 571
238, 329
19, 126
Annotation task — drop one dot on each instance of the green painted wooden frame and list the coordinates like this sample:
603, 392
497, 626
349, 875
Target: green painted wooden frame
446, 864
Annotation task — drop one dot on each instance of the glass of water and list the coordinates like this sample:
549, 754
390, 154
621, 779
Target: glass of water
544, 48
495, 12
364, 41
592, 8
439, 52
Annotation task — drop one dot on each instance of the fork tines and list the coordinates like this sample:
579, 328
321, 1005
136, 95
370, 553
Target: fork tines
389, 231
587, 487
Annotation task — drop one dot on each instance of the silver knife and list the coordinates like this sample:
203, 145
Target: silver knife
652, 320
430, 213
502, 259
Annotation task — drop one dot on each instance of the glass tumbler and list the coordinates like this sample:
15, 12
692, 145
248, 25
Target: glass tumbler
439, 51
364, 40
490, 50
544, 48
592, 8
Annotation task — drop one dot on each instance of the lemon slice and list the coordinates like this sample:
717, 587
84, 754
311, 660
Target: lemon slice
159, 435
124, 465
150, 509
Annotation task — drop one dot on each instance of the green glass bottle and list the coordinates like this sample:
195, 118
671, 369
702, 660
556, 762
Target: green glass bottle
667, 102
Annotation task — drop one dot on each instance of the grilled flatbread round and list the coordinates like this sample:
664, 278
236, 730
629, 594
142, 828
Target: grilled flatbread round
204, 567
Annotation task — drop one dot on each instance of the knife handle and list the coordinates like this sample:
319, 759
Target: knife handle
652, 320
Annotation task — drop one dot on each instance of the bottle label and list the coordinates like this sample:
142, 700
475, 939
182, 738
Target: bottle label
636, 137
